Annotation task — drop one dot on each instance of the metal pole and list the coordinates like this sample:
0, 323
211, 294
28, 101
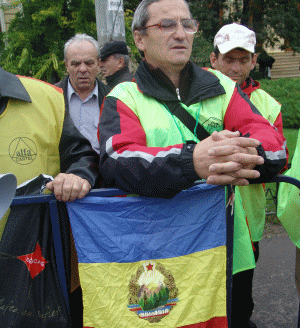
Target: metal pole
2, 17
110, 20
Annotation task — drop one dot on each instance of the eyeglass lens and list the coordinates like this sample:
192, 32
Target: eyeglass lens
170, 25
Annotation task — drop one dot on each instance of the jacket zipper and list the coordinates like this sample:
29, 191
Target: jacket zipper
178, 94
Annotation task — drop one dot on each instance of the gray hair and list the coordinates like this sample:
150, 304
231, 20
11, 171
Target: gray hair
81, 37
141, 15
125, 57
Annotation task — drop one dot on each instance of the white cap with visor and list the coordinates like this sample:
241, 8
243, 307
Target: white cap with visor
233, 36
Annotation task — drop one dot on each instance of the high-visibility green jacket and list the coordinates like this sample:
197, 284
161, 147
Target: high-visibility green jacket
288, 206
253, 196
145, 149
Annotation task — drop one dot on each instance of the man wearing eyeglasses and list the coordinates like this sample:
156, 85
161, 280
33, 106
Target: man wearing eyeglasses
178, 123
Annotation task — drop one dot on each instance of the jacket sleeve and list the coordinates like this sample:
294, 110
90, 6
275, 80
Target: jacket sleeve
243, 116
279, 126
76, 153
128, 164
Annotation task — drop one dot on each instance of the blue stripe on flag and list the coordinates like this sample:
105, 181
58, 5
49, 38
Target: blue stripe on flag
132, 229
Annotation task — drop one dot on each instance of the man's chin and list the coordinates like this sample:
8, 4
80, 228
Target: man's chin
84, 83
236, 79
180, 61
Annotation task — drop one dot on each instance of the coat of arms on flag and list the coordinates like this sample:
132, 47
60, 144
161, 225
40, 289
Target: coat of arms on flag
152, 292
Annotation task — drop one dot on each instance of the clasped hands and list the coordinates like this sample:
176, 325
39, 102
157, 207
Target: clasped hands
226, 158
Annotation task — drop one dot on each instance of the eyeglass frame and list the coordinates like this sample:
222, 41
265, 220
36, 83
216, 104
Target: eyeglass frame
180, 22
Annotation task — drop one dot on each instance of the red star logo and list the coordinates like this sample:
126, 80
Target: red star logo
34, 261
149, 266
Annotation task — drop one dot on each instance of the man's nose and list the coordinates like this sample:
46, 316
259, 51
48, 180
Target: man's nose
236, 65
82, 68
180, 32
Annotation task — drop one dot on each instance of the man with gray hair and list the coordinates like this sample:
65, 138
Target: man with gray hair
83, 91
178, 123
115, 63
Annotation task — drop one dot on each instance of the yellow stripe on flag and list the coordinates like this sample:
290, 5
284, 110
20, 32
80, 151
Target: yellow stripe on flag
195, 284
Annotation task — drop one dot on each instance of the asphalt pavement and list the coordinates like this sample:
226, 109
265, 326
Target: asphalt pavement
274, 292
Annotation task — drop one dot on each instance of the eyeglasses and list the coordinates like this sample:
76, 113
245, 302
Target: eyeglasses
171, 25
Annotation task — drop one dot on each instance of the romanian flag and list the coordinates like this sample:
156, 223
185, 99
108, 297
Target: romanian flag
149, 262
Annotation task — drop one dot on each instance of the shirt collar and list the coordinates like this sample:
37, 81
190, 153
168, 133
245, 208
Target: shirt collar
71, 91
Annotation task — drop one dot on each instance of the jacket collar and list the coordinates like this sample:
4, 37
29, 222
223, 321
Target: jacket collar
249, 86
114, 77
201, 84
71, 91
103, 90
12, 87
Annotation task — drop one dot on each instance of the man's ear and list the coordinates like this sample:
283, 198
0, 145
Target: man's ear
121, 62
213, 60
139, 40
98, 65
253, 62
66, 66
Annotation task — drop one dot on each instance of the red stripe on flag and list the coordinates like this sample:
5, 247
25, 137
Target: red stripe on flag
220, 322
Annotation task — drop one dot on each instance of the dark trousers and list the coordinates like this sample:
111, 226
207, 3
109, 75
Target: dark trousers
242, 301
76, 308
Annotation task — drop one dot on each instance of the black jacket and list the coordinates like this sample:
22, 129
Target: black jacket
123, 75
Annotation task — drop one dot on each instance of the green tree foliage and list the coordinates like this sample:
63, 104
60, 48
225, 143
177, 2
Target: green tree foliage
86, 19
36, 36
285, 20
202, 49
210, 15
271, 20
135, 55
131, 4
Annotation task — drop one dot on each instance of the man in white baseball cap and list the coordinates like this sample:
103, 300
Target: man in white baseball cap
234, 55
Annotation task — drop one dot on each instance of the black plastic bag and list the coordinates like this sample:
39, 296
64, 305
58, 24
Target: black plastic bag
31, 289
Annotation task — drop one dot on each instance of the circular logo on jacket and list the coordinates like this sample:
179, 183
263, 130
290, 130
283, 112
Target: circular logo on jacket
22, 150
152, 292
